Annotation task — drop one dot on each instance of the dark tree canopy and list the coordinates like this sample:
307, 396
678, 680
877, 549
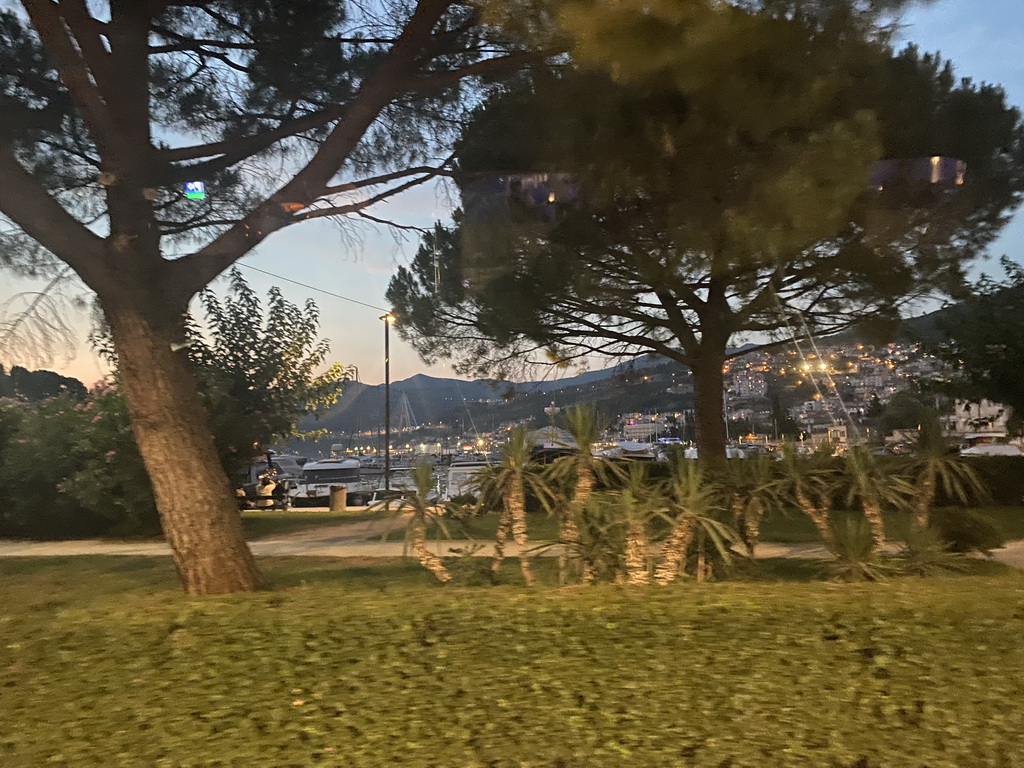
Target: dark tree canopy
985, 342
717, 198
33, 386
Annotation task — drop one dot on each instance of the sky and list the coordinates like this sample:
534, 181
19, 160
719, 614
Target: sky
984, 38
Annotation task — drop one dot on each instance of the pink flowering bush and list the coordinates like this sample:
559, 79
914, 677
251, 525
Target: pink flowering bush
112, 480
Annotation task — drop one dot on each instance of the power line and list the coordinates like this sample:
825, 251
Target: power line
314, 288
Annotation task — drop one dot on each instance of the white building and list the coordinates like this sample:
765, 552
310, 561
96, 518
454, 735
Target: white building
986, 416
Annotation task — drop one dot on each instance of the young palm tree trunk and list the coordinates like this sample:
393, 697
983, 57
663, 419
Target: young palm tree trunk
748, 523
873, 514
637, 572
819, 517
515, 502
752, 528
701, 561
925, 500
428, 559
673, 554
500, 539
569, 531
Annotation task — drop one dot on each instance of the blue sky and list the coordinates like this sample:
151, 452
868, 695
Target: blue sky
984, 38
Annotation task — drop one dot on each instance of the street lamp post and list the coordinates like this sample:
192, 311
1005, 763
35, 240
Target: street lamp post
552, 411
388, 320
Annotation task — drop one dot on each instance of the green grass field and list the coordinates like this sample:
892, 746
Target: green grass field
104, 663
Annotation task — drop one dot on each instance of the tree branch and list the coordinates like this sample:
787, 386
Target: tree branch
390, 78
227, 153
485, 67
351, 186
25, 202
85, 29
73, 71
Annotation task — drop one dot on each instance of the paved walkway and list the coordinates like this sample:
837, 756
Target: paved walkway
269, 547
363, 539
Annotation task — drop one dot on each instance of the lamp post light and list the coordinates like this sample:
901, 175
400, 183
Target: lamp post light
551, 411
388, 319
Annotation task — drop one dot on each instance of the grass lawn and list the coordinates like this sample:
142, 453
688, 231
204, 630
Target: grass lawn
103, 662
798, 529
258, 524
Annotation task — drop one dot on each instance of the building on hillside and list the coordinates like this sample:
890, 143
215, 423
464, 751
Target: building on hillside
639, 430
986, 416
747, 383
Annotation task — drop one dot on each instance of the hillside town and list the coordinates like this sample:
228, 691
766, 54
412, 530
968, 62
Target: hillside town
839, 394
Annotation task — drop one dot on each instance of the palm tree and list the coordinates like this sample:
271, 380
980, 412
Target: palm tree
636, 505
752, 487
582, 469
809, 482
422, 513
932, 466
689, 500
509, 481
875, 487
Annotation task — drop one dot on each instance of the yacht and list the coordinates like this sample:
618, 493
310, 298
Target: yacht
314, 486
462, 474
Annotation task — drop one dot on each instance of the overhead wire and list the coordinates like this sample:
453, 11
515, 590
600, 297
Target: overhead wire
314, 288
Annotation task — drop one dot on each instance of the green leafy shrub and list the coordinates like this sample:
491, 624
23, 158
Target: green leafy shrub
854, 556
467, 568
1003, 476
926, 553
72, 470
967, 530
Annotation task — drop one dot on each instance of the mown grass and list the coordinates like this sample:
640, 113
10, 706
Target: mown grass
371, 663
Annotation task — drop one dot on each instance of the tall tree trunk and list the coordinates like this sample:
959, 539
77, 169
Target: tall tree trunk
709, 402
197, 505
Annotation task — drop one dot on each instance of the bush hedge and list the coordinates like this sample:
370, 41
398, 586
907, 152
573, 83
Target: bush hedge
354, 669
1003, 476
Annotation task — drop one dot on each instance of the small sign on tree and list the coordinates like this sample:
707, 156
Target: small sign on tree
195, 190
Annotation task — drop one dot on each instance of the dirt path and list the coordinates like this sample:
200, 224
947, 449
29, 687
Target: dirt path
365, 539
340, 532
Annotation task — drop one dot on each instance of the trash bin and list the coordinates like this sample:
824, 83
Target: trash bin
339, 498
